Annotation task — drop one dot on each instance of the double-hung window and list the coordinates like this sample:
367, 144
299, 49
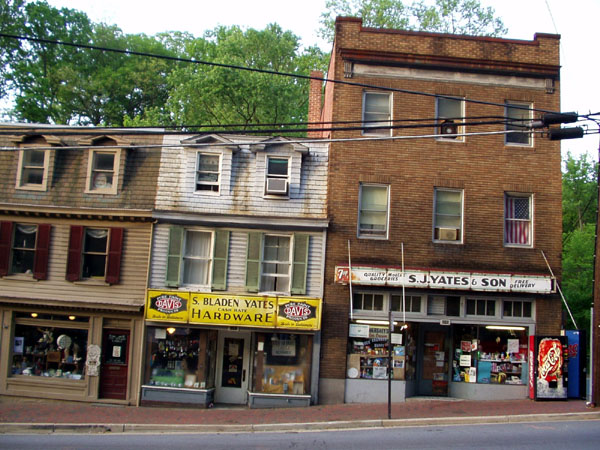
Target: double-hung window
33, 169
277, 263
517, 220
103, 171
373, 211
448, 215
207, 172
377, 113
94, 253
197, 257
277, 176
24, 249
518, 119
449, 115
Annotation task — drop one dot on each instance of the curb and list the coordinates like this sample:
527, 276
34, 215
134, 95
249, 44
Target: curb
73, 428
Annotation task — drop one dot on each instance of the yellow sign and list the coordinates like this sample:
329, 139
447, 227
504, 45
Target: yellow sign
233, 310
299, 313
167, 306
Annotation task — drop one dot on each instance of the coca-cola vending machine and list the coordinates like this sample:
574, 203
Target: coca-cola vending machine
548, 367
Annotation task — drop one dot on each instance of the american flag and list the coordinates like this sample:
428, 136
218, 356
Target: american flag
518, 220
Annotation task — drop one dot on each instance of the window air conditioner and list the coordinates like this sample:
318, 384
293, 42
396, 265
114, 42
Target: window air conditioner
277, 186
449, 129
447, 234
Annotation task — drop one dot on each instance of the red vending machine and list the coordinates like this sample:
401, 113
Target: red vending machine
548, 367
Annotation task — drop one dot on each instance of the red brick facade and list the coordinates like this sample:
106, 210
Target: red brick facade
489, 70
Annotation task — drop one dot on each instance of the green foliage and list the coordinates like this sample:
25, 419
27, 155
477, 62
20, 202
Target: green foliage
580, 192
443, 16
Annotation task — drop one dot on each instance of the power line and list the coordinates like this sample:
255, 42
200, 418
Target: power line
265, 71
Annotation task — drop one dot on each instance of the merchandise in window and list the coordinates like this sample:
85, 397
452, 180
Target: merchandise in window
490, 354
282, 363
49, 351
518, 118
368, 353
373, 211
450, 112
517, 222
207, 174
376, 113
448, 215
180, 357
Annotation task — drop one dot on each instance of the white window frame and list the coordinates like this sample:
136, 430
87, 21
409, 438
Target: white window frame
521, 317
185, 257
113, 189
263, 261
410, 300
446, 124
279, 193
366, 233
370, 128
509, 104
440, 229
477, 300
384, 302
530, 222
216, 184
21, 182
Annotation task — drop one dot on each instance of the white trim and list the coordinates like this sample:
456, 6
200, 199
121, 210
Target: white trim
113, 189
459, 136
363, 234
29, 186
508, 104
462, 216
366, 128
219, 171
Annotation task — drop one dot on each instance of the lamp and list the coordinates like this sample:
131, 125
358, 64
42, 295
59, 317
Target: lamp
504, 327
171, 330
375, 322
34, 315
72, 317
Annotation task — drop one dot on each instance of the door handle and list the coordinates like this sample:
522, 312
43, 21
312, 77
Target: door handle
243, 375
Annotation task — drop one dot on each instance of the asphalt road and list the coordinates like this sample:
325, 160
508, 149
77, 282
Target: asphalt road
557, 435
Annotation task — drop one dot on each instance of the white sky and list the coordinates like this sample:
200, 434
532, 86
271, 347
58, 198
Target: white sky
574, 20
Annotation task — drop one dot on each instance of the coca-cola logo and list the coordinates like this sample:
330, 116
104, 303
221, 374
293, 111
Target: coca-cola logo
550, 359
297, 311
168, 304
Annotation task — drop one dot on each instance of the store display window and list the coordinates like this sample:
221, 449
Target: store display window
180, 357
490, 354
42, 350
368, 353
282, 363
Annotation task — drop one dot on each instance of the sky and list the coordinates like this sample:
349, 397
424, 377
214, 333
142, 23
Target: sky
575, 20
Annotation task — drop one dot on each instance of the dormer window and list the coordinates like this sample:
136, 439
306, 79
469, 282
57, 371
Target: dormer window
35, 162
103, 168
208, 172
277, 177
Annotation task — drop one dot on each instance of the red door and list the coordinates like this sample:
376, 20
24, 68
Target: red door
113, 369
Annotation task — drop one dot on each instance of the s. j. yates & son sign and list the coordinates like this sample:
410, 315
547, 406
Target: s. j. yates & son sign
435, 279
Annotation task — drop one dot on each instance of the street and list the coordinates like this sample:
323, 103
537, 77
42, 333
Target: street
552, 435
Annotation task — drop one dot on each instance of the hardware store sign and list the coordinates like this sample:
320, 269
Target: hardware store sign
492, 282
241, 311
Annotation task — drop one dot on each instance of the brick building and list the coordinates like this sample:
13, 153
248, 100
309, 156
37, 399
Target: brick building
445, 179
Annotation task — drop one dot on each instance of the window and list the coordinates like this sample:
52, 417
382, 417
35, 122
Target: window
412, 302
450, 113
373, 211
367, 302
481, 307
517, 220
277, 176
376, 113
440, 305
94, 253
518, 118
103, 171
207, 172
277, 263
33, 169
448, 216
516, 308
197, 257
24, 249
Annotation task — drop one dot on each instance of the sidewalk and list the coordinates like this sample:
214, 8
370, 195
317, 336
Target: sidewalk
19, 415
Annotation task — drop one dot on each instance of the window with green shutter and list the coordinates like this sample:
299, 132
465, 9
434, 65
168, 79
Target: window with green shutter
300, 263
174, 256
253, 256
220, 258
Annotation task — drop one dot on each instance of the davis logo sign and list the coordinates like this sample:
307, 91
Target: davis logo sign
167, 306
297, 312
301, 313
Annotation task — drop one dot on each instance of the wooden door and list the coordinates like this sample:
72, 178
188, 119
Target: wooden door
115, 364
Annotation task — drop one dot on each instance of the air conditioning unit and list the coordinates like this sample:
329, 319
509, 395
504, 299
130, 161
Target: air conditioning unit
277, 186
447, 234
449, 129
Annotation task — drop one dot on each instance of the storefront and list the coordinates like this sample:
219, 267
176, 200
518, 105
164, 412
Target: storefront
204, 348
455, 334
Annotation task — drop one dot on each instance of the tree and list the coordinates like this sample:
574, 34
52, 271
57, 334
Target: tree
444, 16
580, 192
217, 95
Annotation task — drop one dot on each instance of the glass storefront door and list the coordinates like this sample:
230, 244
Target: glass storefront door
233, 357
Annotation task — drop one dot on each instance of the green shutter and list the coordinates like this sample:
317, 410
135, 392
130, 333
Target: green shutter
174, 256
300, 263
253, 261
220, 257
